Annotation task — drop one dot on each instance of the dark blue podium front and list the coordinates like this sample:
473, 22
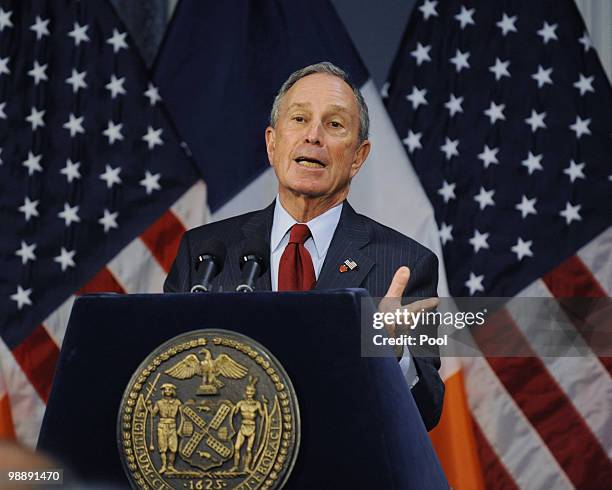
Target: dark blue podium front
360, 427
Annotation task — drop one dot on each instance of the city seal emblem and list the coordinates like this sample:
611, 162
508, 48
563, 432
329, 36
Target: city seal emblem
209, 409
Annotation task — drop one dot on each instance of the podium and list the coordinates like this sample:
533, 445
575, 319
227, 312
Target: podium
360, 427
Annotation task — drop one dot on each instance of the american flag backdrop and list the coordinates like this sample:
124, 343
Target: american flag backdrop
506, 114
96, 188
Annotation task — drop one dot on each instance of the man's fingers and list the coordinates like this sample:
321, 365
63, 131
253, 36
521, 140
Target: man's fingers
424, 304
398, 283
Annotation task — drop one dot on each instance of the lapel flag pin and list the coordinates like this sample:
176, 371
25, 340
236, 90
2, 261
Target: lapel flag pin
348, 265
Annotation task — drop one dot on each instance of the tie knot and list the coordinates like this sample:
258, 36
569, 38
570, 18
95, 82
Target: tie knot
299, 234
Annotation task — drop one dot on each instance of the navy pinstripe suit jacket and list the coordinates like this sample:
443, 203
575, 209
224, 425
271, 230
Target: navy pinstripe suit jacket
378, 250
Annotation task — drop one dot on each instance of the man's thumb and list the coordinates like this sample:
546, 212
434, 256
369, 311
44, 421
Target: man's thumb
398, 283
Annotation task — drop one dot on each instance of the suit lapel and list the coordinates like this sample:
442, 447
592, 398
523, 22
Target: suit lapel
258, 226
349, 238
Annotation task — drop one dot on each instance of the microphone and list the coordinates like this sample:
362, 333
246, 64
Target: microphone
253, 263
209, 264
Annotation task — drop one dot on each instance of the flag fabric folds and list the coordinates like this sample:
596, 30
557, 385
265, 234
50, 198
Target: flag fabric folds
93, 184
505, 111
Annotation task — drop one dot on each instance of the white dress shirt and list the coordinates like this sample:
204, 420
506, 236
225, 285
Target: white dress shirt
322, 229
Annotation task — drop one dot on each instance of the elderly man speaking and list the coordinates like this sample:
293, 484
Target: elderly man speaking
316, 142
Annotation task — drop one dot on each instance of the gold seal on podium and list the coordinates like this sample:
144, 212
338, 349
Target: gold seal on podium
209, 409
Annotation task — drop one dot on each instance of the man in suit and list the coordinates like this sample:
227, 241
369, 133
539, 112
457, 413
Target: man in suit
316, 142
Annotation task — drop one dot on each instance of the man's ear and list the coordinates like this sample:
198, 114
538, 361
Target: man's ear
360, 157
270, 143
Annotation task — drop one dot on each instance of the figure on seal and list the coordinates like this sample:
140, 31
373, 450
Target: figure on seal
167, 439
249, 408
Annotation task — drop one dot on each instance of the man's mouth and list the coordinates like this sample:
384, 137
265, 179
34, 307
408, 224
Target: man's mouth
309, 162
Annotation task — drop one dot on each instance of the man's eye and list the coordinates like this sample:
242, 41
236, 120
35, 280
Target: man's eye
298, 118
336, 124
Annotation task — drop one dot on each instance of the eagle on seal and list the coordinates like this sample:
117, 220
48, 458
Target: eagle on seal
210, 369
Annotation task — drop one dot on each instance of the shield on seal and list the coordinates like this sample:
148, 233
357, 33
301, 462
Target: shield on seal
207, 431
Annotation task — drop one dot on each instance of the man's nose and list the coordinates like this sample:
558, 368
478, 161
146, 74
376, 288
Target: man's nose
313, 133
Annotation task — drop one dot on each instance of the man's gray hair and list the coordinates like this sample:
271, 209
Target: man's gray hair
331, 69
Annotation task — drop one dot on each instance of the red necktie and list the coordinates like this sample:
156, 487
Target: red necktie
295, 271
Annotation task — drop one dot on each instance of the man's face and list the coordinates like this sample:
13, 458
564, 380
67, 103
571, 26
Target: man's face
314, 148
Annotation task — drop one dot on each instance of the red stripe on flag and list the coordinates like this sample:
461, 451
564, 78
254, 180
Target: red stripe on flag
550, 411
162, 238
573, 278
103, 282
494, 472
37, 356
7, 429
571, 281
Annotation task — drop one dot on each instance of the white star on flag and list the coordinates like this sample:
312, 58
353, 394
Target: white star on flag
548, 32
79, 33
65, 259
449, 148
71, 170
32, 163
500, 69
479, 240
384, 91
40, 27
115, 86
4, 69
447, 191
446, 233
26, 252
113, 132
571, 213
542, 76
584, 84
152, 93
585, 40
413, 141
69, 214
495, 112
74, 125
111, 176
484, 198
421, 53
417, 97
474, 283
532, 163
28, 208
507, 24
109, 220
460, 60
488, 156
38, 72
465, 17
77, 80
581, 127
22, 297
153, 137
574, 171
536, 121
454, 105
151, 182
526, 206
36, 118
522, 249
429, 9
2, 113
5, 19
117, 41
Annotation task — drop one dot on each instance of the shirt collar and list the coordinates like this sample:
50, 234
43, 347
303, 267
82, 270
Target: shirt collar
322, 227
